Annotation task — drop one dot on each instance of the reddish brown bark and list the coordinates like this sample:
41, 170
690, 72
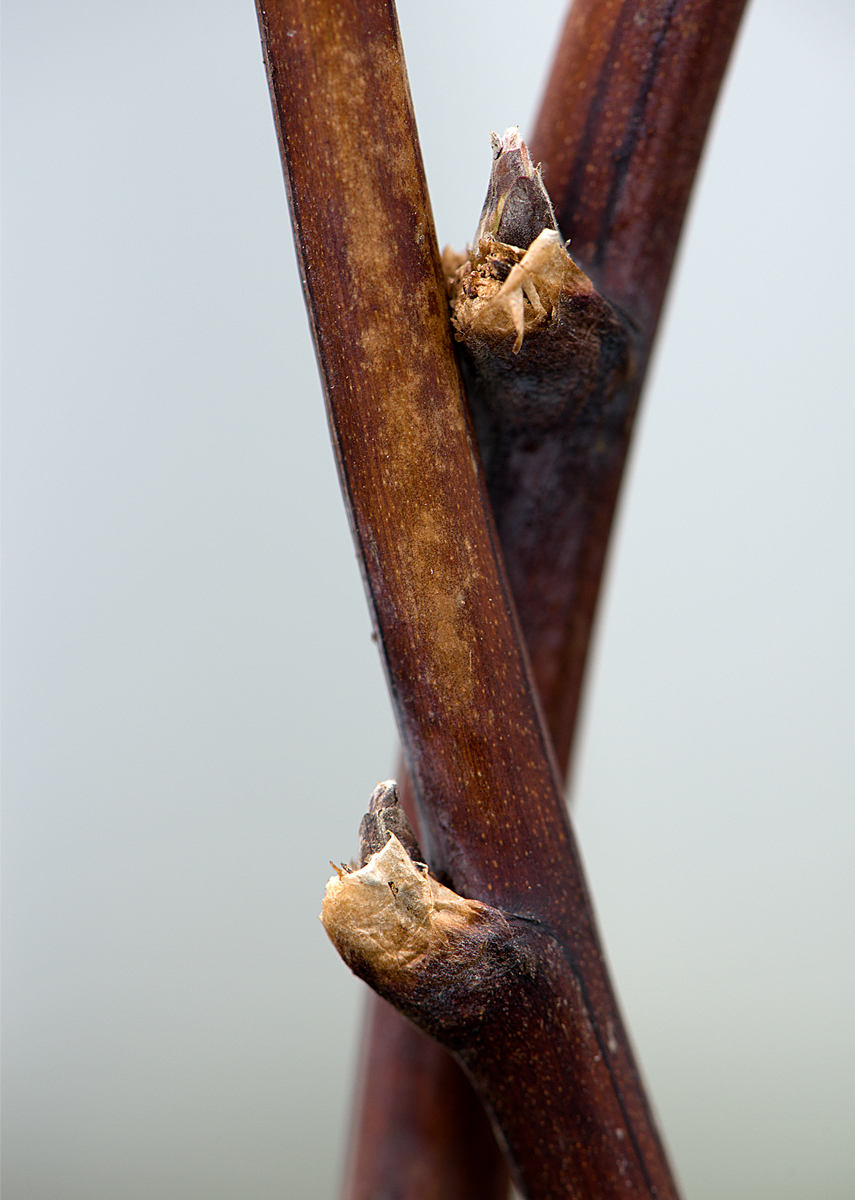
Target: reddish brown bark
417, 1111
493, 818
620, 133
420, 1132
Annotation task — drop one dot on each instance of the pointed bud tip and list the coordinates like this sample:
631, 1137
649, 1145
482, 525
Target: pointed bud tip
517, 206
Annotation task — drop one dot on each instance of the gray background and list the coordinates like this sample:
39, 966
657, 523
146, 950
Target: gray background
195, 713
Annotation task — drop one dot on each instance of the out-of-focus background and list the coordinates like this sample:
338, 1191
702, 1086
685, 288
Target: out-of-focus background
195, 713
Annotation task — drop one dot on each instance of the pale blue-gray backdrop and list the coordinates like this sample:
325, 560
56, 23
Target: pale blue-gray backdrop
195, 713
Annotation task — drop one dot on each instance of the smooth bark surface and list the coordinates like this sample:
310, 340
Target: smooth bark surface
421, 1132
493, 818
620, 133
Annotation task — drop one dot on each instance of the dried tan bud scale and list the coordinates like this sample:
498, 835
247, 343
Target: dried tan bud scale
503, 291
391, 913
